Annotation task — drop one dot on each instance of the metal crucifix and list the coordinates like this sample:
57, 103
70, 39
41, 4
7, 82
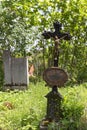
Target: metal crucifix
57, 35
54, 76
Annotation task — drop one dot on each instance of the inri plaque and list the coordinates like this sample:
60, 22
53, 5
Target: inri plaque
55, 76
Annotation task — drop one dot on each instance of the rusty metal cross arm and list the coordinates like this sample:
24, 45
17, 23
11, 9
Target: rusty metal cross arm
57, 33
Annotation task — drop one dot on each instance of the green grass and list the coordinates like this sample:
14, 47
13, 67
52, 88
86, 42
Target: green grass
28, 107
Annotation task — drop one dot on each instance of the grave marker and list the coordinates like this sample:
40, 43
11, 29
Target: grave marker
15, 72
54, 77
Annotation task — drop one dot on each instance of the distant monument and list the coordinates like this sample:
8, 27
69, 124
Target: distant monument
15, 72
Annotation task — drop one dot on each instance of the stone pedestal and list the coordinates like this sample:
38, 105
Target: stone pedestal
54, 112
54, 105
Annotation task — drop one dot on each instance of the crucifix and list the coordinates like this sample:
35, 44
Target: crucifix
54, 76
57, 35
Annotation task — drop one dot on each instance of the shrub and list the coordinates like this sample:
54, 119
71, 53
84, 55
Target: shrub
72, 108
82, 75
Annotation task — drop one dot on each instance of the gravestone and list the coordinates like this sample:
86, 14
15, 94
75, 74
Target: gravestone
55, 77
15, 72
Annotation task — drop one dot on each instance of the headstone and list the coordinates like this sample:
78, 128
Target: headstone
15, 72
7, 67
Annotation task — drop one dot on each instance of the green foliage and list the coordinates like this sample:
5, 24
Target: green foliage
26, 112
82, 75
54, 126
29, 108
35, 79
72, 108
21, 25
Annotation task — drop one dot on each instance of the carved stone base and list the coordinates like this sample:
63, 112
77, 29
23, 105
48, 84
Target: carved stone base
11, 87
54, 112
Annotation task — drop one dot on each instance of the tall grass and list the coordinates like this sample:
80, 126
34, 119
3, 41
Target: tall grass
23, 110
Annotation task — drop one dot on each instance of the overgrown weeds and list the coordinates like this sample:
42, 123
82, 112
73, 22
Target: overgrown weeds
29, 108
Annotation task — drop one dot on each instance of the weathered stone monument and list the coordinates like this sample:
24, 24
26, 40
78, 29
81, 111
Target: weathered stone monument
55, 77
15, 72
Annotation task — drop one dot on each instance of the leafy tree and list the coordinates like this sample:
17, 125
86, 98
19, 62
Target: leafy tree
22, 22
